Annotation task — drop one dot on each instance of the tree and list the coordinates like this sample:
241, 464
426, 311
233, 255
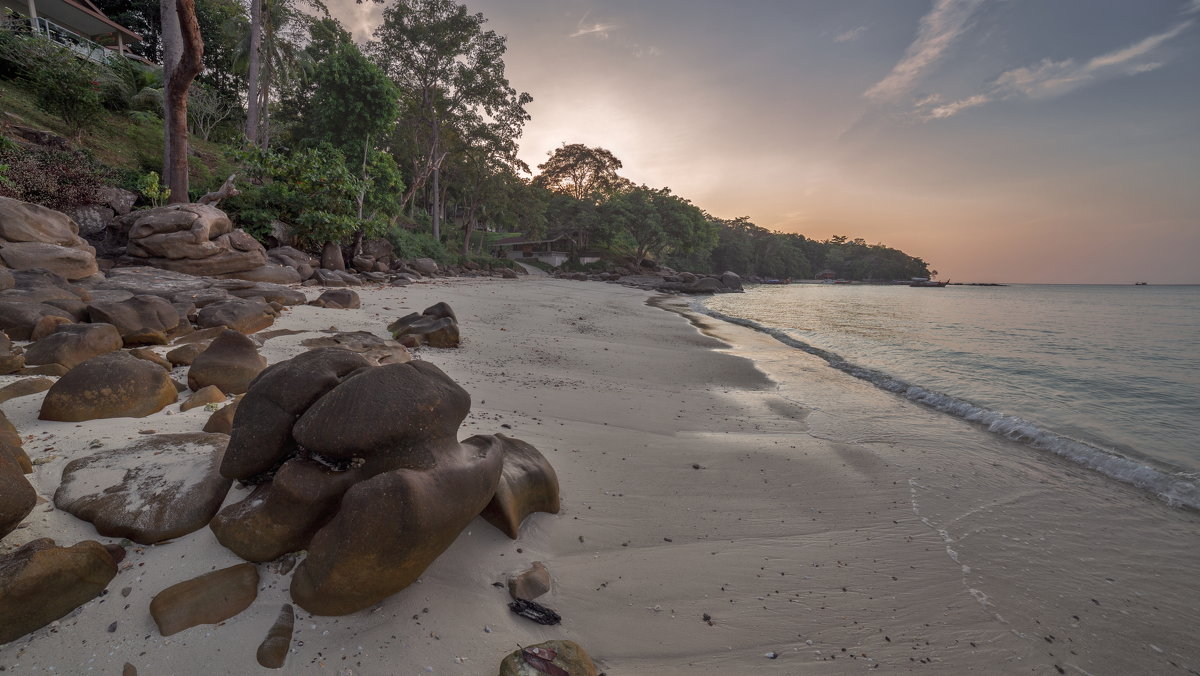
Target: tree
450, 69
657, 222
177, 85
579, 171
254, 73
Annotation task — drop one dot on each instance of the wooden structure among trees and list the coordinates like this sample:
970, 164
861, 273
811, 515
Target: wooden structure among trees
77, 25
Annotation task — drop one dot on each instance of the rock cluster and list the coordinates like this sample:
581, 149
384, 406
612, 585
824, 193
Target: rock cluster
33, 236
196, 239
361, 466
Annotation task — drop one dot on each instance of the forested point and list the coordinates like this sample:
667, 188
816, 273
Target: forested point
412, 135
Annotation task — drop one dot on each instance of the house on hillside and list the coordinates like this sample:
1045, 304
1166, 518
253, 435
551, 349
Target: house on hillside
553, 251
77, 25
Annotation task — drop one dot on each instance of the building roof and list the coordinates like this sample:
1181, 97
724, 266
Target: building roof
513, 241
83, 16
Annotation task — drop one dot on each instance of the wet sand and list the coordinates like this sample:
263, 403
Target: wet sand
706, 471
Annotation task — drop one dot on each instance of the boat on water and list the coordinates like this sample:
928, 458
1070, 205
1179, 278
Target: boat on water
926, 282
1140, 284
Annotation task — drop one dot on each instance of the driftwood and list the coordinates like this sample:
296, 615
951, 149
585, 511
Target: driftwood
226, 190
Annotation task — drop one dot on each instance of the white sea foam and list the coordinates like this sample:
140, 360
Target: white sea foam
1177, 489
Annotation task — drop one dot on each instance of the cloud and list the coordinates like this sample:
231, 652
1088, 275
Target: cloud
1192, 7
939, 30
856, 33
1050, 78
600, 30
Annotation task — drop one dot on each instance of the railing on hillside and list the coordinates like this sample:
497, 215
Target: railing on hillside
81, 46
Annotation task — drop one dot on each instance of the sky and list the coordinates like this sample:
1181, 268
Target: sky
1030, 141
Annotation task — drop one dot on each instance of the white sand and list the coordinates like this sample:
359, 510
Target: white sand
808, 531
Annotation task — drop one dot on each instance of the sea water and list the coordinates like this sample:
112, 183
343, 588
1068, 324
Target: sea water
1104, 376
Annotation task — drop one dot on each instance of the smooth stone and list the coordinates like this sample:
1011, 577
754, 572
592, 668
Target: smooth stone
530, 584
41, 582
528, 484
272, 652
569, 657
209, 394
230, 362
208, 599
113, 385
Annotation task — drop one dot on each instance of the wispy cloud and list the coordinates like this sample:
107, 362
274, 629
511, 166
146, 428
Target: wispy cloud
939, 30
856, 33
600, 30
1192, 7
1051, 78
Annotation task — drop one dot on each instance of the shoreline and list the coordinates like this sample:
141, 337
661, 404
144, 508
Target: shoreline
704, 471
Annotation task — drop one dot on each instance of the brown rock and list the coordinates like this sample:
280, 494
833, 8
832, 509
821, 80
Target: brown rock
45, 370
208, 599
46, 325
151, 356
389, 528
185, 354
338, 299
272, 652
141, 320
113, 385
73, 344
11, 446
230, 363
527, 485
12, 358
377, 350
195, 239
17, 497
18, 319
209, 394
331, 257
530, 584
24, 387
40, 582
568, 656
240, 314
158, 488
70, 262
262, 430
222, 420
436, 326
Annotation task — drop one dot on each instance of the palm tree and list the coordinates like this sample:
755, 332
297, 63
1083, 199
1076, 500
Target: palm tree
269, 55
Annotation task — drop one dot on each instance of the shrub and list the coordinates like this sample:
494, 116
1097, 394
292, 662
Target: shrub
411, 244
55, 178
62, 84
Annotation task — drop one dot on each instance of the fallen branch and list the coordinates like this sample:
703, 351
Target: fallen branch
226, 190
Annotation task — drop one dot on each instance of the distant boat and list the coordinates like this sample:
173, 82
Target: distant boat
1140, 284
777, 281
926, 282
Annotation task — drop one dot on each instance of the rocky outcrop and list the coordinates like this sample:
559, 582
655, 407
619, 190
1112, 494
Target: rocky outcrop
73, 344
18, 319
33, 236
527, 484
40, 582
299, 261
230, 362
436, 326
114, 385
156, 489
196, 239
208, 599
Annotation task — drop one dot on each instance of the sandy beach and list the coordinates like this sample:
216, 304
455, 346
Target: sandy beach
729, 505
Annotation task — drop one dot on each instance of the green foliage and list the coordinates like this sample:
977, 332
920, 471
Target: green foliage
581, 172
411, 244
653, 222
314, 191
63, 84
148, 186
54, 178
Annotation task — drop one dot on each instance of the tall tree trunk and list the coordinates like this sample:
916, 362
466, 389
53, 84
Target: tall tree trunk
189, 66
435, 208
253, 109
172, 47
437, 194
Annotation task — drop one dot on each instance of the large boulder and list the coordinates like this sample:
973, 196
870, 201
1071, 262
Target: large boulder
436, 326
113, 385
73, 344
338, 299
211, 598
11, 446
150, 281
376, 497
33, 236
331, 257
12, 358
158, 488
141, 320
731, 281
197, 239
230, 362
299, 261
17, 497
272, 274
246, 315
272, 293
40, 582
425, 266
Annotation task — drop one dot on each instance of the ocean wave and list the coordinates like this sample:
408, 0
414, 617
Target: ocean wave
1172, 488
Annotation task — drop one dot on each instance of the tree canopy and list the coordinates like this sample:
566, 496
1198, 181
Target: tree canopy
579, 171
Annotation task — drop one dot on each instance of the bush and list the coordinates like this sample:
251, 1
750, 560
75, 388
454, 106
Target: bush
63, 84
55, 178
410, 244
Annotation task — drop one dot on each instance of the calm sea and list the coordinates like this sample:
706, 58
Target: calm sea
1106, 376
